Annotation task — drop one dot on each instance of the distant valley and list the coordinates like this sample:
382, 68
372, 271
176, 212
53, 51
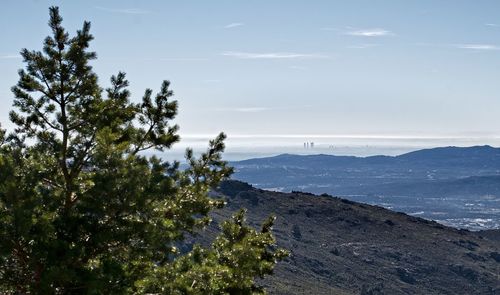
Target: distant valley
455, 186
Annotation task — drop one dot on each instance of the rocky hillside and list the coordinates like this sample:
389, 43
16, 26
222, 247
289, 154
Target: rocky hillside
342, 247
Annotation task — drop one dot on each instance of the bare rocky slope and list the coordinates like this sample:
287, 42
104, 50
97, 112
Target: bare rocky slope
342, 247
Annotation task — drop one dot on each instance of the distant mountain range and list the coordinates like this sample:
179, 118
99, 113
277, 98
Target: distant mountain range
456, 185
343, 247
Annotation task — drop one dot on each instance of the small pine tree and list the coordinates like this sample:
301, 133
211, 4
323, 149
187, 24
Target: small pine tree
83, 211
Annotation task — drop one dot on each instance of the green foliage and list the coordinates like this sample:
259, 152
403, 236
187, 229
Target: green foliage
237, 256
84, 211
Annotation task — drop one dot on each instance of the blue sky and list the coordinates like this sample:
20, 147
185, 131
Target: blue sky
393, 68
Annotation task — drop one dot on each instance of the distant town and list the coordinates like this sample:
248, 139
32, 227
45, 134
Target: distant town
308, 145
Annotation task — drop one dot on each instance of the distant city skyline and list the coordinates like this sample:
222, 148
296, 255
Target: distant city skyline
294, 69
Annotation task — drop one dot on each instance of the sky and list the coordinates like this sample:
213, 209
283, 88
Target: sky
421, 68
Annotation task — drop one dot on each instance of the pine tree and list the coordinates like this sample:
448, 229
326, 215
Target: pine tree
83, 210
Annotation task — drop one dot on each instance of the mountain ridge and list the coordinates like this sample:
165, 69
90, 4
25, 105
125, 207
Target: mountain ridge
456, 185
435, 152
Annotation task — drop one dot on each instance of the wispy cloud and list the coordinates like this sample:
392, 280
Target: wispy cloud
369, 33
233, 25
492, 25
124, 10
478, 46
10, 56
272, 55
466, 46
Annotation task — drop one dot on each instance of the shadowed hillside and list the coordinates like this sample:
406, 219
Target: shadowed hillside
342, 247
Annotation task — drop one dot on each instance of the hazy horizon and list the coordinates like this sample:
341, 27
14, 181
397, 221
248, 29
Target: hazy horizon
242, 147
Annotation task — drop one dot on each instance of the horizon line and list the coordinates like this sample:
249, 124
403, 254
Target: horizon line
343, 136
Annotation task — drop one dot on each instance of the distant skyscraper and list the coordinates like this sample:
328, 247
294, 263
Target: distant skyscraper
312, 144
